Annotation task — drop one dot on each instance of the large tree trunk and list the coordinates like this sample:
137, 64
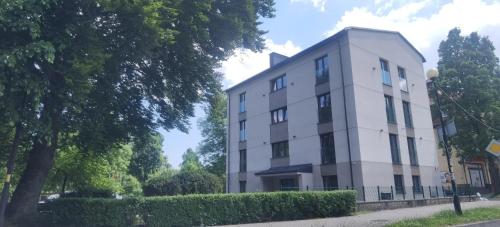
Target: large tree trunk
10, 169
494, 174
22, 210
63, 186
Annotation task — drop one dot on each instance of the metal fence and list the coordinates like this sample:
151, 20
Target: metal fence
384, 193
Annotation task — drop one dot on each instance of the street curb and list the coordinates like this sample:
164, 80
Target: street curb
480, 224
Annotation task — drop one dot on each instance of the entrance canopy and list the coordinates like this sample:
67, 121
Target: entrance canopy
304, 168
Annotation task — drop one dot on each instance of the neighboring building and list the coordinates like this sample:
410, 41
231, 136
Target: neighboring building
350, 111
473, 172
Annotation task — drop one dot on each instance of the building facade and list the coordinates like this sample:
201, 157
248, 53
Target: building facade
471, 173
350, 111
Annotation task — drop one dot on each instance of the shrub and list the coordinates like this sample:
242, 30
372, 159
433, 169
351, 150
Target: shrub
193, 182
196, 210
155, 185
89, 212
131, 186
183, 183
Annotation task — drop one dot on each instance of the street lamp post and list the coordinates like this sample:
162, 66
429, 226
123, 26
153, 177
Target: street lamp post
431, 75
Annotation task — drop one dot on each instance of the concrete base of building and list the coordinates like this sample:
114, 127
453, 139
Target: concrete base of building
397, 204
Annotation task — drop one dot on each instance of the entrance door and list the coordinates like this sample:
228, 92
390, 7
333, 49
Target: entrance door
289, 184
476, 176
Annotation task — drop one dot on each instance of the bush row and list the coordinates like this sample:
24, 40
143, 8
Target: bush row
197, 210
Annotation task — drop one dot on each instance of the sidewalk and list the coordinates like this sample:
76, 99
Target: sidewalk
378, 218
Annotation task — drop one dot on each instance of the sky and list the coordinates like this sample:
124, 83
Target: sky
302, 23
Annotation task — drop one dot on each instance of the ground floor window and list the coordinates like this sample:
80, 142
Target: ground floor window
289, 184
243, 186
399, 185
417, 186
330, 182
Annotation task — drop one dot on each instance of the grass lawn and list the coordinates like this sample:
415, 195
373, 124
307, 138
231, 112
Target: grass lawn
447, 218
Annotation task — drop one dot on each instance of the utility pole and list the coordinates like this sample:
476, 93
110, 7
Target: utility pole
432, 74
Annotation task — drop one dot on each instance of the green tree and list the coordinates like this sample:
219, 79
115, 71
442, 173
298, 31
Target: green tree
155, 185
105, 71
470, 82
131, 186
184, 182
88, 172
213, 128
190, 161
147, 155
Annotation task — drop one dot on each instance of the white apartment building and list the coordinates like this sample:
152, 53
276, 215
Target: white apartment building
350, 111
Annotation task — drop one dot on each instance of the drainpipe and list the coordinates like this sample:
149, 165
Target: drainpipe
345, 114
228, 138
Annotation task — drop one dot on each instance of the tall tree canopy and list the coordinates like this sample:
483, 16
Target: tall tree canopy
190, 161
85, 172
96, 73
148, 156
213, 129
469, 76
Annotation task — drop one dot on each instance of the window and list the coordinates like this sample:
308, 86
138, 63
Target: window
243, 107
322, 72
393, 139
389, 109
278, 83
386, 75
279, 115
413, 151
243, 130
243, 160
243, 186
289, 184
417, 186
327, 148
403, 83
399, 185
330, 182
324, 108
407, 114
280, 149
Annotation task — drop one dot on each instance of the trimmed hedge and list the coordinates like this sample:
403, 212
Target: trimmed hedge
89, 212
196, 210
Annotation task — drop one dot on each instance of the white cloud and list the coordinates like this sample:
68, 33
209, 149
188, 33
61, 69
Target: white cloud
320, 4
245, 63
425, 30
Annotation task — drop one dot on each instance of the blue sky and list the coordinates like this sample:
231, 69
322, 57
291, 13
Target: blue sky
301, 23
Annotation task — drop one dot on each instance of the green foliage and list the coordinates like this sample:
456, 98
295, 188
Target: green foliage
104, 72
213, 129
449, 218
148, 155
194, 182
89, 173
197, 210
190, 161
469, 74
131, 186
183, 183
155, 185
89, 212
201, 210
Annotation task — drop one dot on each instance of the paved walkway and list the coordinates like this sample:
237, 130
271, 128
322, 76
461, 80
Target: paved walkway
494, 223
378, 218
